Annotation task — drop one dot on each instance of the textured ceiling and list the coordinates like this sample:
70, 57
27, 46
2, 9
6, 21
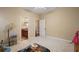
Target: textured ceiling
40, 10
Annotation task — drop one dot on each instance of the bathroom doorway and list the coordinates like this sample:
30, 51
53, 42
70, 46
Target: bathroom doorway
37, 28
24, 29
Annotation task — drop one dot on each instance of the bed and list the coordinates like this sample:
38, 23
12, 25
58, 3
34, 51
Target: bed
40, 48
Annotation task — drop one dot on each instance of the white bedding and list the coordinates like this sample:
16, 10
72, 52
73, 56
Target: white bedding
52, 43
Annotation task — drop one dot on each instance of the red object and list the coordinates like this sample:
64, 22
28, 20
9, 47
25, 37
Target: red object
76, 39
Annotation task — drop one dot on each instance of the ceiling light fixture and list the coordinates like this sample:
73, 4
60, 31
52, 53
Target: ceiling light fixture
42, 8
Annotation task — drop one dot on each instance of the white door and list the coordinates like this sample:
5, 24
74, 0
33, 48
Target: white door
42, 27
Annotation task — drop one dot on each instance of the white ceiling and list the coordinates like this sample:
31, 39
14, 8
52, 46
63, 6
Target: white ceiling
40, 10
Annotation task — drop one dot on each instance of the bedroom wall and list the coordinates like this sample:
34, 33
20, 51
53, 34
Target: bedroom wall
2, 27
16, 16
62, 22
9, 15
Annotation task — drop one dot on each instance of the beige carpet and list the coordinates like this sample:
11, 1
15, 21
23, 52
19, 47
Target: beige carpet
52, 43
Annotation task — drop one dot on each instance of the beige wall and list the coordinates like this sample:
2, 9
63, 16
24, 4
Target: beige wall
62, 22
16, 16
9, 15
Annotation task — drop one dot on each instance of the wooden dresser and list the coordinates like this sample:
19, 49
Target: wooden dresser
76, 48
24, 33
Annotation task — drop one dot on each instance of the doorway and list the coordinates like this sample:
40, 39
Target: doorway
37, 28
24, 29
40, 27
